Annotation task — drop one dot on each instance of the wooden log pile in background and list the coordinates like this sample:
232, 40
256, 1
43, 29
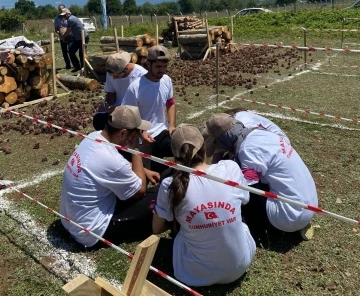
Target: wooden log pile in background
192, 36
23, 78
137, 46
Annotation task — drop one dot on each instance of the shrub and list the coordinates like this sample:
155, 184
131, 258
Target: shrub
10, 20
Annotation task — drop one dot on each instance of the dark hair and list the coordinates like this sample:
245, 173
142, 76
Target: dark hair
112, 130
180, 183
160, 60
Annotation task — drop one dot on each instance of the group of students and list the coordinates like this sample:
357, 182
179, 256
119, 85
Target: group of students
107, 192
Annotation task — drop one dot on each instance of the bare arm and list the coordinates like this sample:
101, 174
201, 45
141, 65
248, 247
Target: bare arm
171, 113
159, 225
138, 169
68, 31
110, 98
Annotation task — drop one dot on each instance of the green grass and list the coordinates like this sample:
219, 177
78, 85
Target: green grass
327, 265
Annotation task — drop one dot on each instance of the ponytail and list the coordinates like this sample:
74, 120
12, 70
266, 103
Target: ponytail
180, 183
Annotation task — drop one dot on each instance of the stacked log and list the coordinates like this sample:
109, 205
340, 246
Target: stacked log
137, 46
190, 25
23, 78
74, 82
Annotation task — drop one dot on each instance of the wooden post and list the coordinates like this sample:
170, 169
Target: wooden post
217, 72
116, 40
177, 38
23, 29
54, 92
84, 51
342, 32
38, 25
122, 31
232, 27
135, 282
305, 51
110, 21
139, 267
157, 34
95, 22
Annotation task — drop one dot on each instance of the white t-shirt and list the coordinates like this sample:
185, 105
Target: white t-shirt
286, 174
120, 85
250, 119
94, 176
213, 245
151, 98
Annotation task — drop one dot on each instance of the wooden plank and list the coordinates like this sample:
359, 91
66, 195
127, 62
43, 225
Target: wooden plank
82, 285
62, 86
106, 286
150, 289
31, 103
53, 65
139, 268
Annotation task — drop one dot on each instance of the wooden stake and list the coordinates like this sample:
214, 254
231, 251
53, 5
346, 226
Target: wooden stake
84, 51
157, 34
122, 31
116, 40
139, 267
82, 285
54, 90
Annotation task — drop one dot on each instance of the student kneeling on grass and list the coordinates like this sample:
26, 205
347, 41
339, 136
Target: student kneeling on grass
101, 190
213, 245
268, 159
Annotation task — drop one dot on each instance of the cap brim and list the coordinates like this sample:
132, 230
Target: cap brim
210, 146
63, 13
145, 125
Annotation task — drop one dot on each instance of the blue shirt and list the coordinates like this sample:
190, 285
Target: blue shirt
76, 27
60, 22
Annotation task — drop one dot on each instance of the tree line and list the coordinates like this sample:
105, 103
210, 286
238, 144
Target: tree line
27, 10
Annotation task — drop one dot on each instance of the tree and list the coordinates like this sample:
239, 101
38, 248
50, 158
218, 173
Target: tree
76, 10
26, 8
147, 8
47, 11
130, 7
114, 7
94, 6
186, 6
10, 20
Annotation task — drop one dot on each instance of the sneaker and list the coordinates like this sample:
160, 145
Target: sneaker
67, 67
75, 70
307, 233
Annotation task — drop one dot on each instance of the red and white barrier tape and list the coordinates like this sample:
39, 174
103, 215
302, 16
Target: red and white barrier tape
201, 173
307, 48
131, 256
333, 30
307, 111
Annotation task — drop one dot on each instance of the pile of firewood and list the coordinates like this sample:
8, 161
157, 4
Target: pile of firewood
23, 78
192, 35
137, 46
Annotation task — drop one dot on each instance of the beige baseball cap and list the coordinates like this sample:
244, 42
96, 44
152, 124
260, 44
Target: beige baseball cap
116, 63
186, 134
158, 52
128, 117
65, 11
217, 125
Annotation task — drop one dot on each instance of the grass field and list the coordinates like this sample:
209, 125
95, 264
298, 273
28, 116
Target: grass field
38, 257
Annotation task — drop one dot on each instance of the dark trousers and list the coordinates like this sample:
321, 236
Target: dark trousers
64, 49
132, 219
160, 148
73, 48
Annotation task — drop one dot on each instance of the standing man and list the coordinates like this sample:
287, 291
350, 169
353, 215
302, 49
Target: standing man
120, 73
153, 94
60, 24
101, 191
74, 27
